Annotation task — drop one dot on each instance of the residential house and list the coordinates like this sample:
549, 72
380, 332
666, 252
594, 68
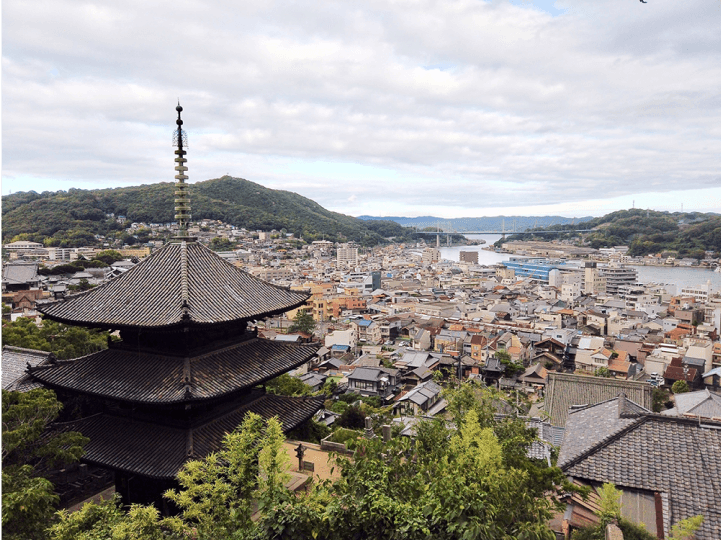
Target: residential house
565, 390
424, 399
667, 468
368, 331
19, 276
369, 381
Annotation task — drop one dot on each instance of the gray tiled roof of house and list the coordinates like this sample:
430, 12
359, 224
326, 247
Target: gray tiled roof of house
20, 273
182, 283
679, 458
564, 390
366, 374
607, 418
422, 393
703, 403
15, 361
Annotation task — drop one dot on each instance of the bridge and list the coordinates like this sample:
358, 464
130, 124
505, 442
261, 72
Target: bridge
525, 231
503, 233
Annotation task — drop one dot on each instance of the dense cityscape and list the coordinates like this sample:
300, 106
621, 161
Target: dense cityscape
567, 337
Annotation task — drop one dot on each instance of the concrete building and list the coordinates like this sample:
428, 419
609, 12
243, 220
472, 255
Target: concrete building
431, 255
700, 293
347, 255
618, 276
593, 282
469, 257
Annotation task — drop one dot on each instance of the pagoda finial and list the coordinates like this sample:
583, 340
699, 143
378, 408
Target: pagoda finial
182, 202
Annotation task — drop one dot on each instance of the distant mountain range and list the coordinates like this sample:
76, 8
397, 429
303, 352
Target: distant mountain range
495, 223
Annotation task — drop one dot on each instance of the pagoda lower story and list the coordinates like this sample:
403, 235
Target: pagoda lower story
146, 451
160, 407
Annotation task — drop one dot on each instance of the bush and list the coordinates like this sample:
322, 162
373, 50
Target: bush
339, 407
310, 431
346, 436
350, 397
660, 399
679, 387
352, 418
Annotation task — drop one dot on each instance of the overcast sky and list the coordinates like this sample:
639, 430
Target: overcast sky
447, 108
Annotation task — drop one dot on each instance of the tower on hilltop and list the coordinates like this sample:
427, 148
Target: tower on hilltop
186, 370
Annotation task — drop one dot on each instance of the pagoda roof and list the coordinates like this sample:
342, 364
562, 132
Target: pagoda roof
155, 378
160, 451
183, 283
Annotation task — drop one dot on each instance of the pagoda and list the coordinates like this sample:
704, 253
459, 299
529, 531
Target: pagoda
187, 367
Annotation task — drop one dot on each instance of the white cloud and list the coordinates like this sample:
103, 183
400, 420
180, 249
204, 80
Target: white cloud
466, 107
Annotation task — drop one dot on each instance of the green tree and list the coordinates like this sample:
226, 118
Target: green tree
107, 520
83, 285
660, 400
511, 368
285, 385
351, 418
679, 387
302, 322
686, 528
108, 256
28, 501
602, 372
63, 340
221, 244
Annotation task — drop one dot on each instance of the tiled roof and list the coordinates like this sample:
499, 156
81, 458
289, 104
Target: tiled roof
146, 377
15, 361
20, 273
422, 393
606, 418
677, 457
564, 390
159, 451
181, 283
678, 373
702, 403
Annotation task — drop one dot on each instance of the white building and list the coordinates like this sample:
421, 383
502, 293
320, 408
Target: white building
347, 255
617, 276
22, 245
700, 293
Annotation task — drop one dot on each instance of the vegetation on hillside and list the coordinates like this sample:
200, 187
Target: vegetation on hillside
472, 482
73, 218
644, 231
28, 451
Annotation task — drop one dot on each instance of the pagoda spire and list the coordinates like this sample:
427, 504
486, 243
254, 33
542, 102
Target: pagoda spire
182, 202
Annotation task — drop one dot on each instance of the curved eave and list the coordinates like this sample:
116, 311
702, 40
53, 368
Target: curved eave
179, 325
169, 403
105, 451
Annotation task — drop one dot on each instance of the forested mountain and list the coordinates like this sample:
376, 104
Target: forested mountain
646, 232
73, 217
487, 223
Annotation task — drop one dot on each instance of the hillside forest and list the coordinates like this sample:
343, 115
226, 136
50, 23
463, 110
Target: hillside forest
643, 231
73, 218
